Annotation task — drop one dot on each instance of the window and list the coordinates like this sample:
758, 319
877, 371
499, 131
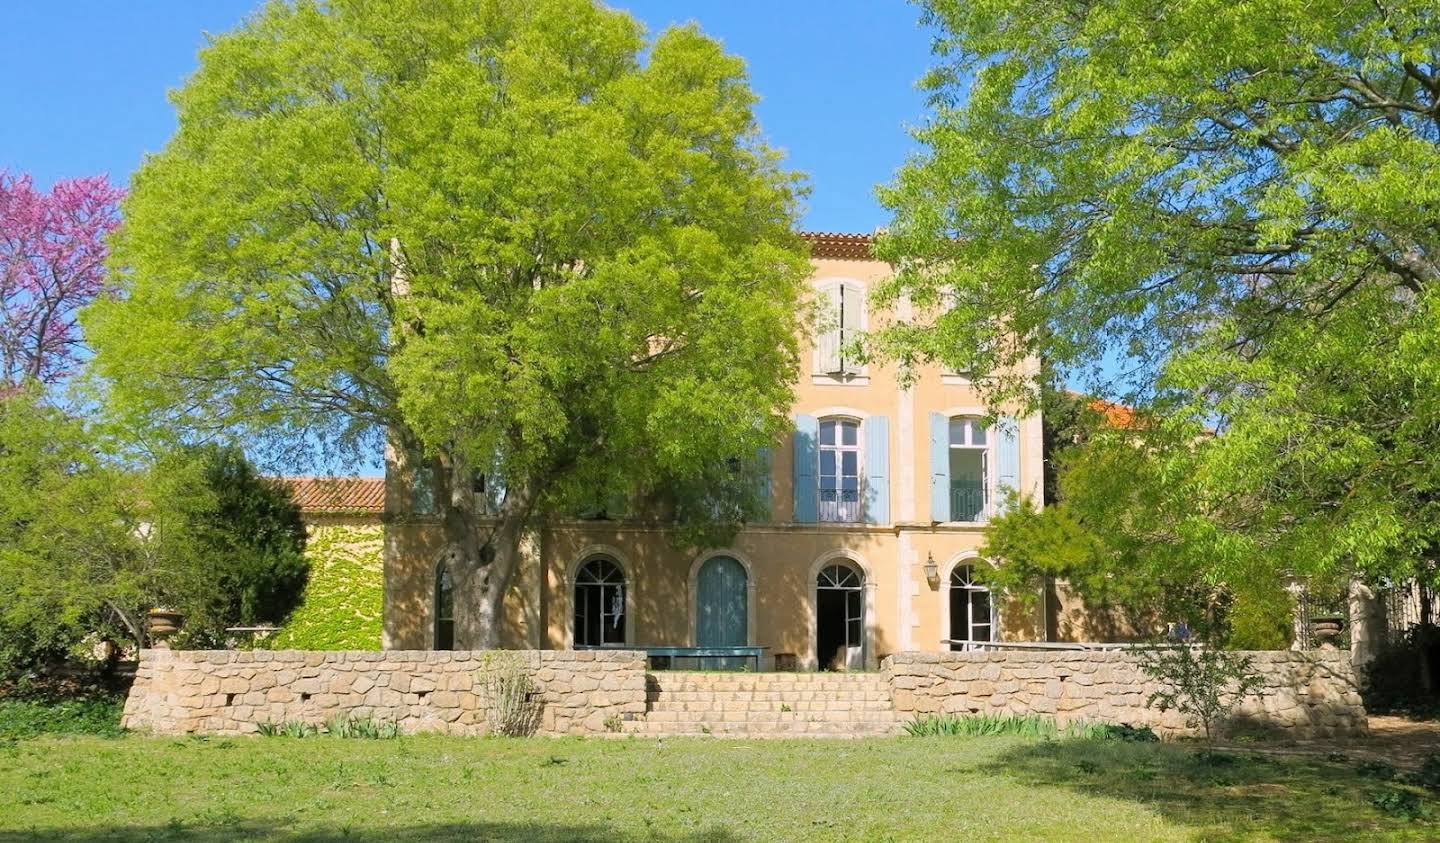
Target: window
842, 320
972, 617
599, 604
839, 470
969, 469
444, 608
422, 490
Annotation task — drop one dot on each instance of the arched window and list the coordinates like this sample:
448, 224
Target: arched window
444, 608
599, 603
969, 469
839, 470
840, 618
972, 618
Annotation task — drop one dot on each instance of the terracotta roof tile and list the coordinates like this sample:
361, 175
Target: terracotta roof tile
335, 495
839, 245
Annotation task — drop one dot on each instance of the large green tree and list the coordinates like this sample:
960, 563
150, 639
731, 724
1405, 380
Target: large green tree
1225, 210
518, 239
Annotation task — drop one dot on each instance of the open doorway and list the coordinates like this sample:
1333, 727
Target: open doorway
840, 618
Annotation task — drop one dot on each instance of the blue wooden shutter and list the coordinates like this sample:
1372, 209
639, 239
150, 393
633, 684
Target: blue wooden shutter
877, 470
1007, 457
939, 467
766, 466
807, 488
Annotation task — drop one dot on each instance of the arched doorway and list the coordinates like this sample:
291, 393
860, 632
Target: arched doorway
972, 614
599, 603
840, 617
722, 608
444, 608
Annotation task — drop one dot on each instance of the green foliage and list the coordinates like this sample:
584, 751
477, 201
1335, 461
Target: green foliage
344, 597
366, 728
28, 718
69, 561
1029, 726
240, 544
1228, 204
1404, 804
1202, 683
516, 238
340, 726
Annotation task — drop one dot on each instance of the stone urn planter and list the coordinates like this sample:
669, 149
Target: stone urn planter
1327, 630
163, 624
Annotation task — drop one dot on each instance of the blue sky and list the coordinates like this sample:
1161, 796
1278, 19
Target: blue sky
86, 84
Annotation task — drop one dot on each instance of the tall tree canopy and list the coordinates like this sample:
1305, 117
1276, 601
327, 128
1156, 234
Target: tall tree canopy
1237, 200
519, 237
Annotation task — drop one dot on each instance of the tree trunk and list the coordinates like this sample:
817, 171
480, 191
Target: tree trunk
483, 555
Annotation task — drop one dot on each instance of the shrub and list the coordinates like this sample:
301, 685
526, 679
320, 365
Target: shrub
344, 598
27, 718
508, 694
361, 727
288, 729
1028, 725
1202, 683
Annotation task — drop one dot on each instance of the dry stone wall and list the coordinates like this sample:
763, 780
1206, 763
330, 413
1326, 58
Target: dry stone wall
233, 692
1307, 694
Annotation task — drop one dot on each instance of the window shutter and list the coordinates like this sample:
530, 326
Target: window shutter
877, 470
852, 314
1007, 455
766, 466
807, 488
827, 342
939, 467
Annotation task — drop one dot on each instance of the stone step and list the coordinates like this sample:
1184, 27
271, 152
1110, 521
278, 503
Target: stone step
753, 729
739, 705
770, 696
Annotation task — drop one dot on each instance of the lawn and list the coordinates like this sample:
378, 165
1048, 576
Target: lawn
430, 787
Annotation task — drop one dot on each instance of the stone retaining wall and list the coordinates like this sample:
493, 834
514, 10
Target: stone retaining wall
1307, 694
233, 692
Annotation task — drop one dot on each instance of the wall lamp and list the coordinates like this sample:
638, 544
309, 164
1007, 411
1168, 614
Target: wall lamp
932, 571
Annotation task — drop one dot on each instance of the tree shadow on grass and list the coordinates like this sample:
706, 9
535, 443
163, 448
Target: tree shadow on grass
243, 831
1229, 795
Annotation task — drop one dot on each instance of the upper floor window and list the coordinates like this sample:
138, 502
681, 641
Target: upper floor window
969, 469
842, 321
839, 470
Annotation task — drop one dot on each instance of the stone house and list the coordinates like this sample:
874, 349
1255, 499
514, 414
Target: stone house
878, 507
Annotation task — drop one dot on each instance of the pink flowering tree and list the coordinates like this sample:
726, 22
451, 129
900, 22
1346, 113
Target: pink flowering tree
52, 263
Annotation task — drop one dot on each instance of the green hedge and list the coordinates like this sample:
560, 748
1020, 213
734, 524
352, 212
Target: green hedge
344, 598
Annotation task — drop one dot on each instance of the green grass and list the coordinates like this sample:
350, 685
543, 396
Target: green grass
431, 787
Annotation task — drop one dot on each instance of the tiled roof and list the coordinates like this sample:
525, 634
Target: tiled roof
336, 495
839, 245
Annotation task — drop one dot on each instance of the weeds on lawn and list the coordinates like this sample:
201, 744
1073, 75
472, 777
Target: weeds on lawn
1029, 726
336, 727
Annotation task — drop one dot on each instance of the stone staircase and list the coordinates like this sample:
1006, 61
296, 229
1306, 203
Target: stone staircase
767, 705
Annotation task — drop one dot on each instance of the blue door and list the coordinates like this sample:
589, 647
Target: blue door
722, 597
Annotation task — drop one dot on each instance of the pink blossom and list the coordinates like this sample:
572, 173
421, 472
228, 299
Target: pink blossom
52, 263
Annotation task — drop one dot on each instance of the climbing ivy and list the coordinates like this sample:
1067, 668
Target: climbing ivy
341, 609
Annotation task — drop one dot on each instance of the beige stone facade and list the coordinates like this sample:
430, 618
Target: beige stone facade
902, 608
